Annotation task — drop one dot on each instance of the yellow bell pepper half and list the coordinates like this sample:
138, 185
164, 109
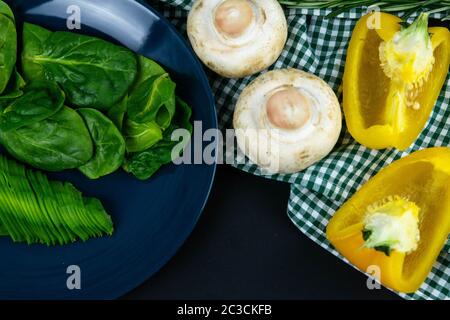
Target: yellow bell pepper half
374, 103
423, 181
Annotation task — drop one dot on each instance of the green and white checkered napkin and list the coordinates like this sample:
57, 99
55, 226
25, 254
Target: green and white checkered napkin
318, 45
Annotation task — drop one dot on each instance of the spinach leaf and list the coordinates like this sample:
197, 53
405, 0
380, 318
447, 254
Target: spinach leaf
153, 96
57, 143
141, 136
6, 10
92, 72
153, 100
39, 101
109, 145
8, 45
146, 163
117, 113
14, 88
34, 38
147, 68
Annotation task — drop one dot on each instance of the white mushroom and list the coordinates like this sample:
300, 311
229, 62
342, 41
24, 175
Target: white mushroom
286, 120
237, 38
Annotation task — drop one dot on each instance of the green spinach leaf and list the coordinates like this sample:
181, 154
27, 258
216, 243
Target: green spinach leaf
6, 10
57, 143
34, 38
141, 136
147, 68
109, 145
150, 106
39, 101
14, 88
92, 72
153, 100
117, 113
145, 164
8, 45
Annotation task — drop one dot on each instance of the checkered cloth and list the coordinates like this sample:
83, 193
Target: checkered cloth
318, 45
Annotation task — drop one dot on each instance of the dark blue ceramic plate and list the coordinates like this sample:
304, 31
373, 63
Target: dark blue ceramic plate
153, 218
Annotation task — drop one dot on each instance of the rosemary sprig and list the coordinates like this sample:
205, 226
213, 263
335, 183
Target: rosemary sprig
408, 7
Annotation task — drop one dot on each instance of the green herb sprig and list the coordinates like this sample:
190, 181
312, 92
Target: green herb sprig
408, 7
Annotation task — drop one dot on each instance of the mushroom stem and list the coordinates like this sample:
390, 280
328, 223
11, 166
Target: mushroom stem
233, 17
288, 109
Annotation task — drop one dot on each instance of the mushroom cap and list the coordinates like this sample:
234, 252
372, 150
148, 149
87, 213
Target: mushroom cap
286, 120
237, 38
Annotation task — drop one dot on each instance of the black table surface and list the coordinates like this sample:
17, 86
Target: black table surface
245, 247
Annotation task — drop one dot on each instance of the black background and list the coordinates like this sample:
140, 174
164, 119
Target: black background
245, 247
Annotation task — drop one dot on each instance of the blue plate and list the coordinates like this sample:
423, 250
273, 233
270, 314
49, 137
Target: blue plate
153, 218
